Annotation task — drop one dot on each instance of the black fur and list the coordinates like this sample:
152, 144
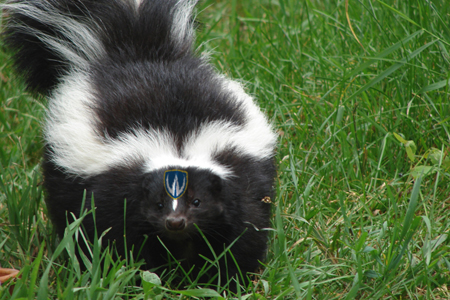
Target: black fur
146, 94
146, 79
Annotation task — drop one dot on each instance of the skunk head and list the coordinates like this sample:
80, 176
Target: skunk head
200, 205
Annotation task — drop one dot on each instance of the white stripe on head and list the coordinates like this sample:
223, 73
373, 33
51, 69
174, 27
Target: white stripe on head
174, 204
136, 3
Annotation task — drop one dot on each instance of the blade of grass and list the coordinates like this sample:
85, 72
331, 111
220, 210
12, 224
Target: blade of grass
390, 70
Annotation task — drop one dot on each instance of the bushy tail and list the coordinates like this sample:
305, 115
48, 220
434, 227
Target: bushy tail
52, 37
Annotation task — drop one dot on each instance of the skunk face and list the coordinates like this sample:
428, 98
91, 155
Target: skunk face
201, 207
130, 102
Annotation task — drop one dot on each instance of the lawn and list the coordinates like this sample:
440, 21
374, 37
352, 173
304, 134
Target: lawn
358, 92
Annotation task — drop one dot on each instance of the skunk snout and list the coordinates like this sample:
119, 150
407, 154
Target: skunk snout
175, 223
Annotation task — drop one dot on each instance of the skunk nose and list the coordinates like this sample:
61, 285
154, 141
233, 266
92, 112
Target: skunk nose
175, 223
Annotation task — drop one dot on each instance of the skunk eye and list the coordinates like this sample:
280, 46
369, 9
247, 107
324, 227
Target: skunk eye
196, 202
160, 206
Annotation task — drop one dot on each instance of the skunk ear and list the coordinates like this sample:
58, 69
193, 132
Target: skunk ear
215, 184
152, 182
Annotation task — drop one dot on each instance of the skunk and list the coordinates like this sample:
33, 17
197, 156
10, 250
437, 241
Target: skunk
177, 157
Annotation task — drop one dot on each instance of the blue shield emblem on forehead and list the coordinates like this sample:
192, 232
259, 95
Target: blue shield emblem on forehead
175, 182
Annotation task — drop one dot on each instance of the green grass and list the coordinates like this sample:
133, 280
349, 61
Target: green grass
363, 194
